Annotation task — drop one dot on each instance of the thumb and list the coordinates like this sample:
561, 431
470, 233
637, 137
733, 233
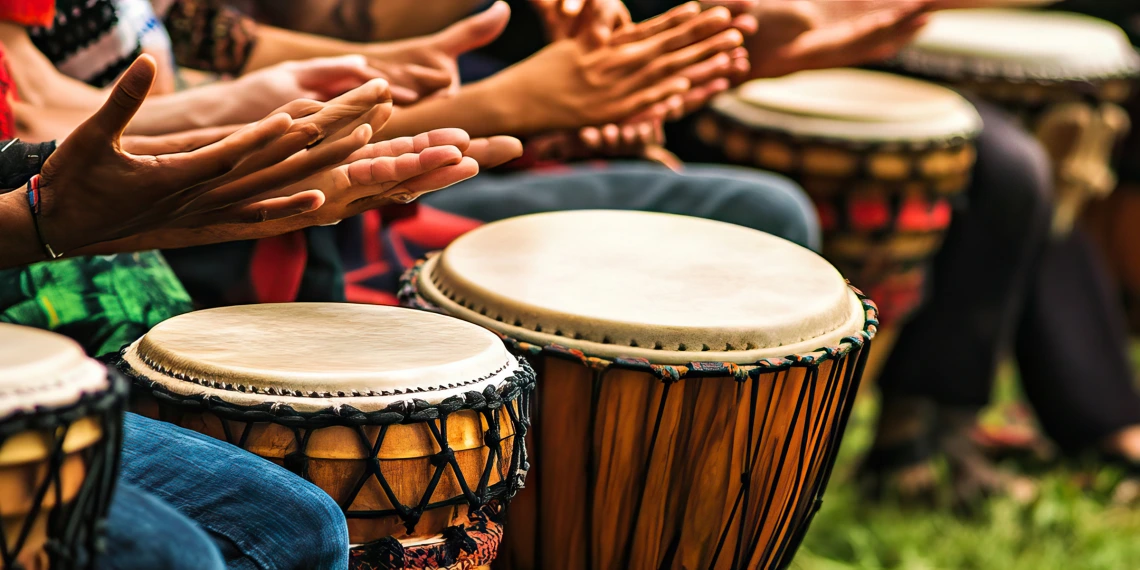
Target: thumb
125, 99
475, 31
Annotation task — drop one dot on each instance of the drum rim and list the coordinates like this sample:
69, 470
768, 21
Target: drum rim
934, 64
411, 295
88, 403
730, 106
410, 410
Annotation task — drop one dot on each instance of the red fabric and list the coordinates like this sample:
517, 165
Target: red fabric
27, 12
382, 252
7, 94
278, 266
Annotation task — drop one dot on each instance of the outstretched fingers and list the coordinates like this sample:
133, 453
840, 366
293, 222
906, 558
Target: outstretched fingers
297, 167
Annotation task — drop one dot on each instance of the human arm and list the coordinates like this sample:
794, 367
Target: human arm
92, 190
798, 35
389, 172
569, 85
420, 66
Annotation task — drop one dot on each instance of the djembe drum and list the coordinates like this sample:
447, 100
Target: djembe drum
881, 156
61, 420
412, 422
695, 380
1065, 74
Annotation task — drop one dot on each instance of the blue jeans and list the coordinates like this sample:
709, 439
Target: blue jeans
742, 196
187, 502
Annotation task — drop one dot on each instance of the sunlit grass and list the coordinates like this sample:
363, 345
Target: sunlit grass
1073, 524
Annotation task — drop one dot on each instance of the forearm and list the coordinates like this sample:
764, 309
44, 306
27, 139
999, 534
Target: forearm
37, 80
216, 104
955, 4
18, 242
276, 45
480, 108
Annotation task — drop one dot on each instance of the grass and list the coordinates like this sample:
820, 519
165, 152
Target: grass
1073, 524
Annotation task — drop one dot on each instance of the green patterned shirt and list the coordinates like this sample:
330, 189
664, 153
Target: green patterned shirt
102, 302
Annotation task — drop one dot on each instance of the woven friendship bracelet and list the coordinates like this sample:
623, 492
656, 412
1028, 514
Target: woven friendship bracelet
33, 194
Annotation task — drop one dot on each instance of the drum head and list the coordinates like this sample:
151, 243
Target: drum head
672, 289
852, 104
318, 355
44, 369
41, 372
1021, 44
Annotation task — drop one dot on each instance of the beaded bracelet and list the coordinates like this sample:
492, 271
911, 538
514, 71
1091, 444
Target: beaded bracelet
33, 194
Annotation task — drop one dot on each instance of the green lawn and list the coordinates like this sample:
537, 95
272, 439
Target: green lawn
1074, 524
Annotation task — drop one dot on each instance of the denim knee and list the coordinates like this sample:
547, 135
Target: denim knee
144, 533
762, 200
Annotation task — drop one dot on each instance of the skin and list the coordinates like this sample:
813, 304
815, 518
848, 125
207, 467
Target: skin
798, 35
52, 102
418, 67
307, 164
569, 85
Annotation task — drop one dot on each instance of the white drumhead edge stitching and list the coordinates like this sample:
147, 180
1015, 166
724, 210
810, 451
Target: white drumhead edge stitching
852, 327
966, 124
306, 404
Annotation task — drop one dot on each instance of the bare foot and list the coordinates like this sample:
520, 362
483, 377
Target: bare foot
1125, 443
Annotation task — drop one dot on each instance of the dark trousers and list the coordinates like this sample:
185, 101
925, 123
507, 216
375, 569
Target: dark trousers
1001, 281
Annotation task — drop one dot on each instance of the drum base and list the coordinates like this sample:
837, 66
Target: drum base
470, 548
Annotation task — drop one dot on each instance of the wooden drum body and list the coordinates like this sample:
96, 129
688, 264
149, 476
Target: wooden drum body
695, 379
412, 422
1064, 74
61, 417
881, 156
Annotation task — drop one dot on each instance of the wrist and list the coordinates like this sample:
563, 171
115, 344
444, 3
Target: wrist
19, 244
506, 108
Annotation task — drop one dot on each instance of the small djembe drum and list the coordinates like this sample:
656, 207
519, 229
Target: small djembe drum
1065, 74
61, 423
881, 156
695, 380
412, 422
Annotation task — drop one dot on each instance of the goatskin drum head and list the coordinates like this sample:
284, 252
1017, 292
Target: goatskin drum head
852, 104
669, 288
44, 369
41, 371
1021, 44
315, 356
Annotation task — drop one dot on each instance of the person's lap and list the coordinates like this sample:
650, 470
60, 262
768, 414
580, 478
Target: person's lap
259, 515
741, 196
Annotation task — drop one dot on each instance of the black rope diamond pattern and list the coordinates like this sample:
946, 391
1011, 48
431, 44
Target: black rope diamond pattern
74, 529
514, 395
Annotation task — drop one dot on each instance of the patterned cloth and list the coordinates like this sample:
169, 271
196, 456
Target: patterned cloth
101, 302
96, 40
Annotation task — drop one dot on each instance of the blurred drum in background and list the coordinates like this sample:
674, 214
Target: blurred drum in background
61, 424
882, 156
1065, 74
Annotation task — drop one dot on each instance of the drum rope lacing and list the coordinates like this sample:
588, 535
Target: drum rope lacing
515, 389
409, 296
277, 391
74, 530
795, 517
